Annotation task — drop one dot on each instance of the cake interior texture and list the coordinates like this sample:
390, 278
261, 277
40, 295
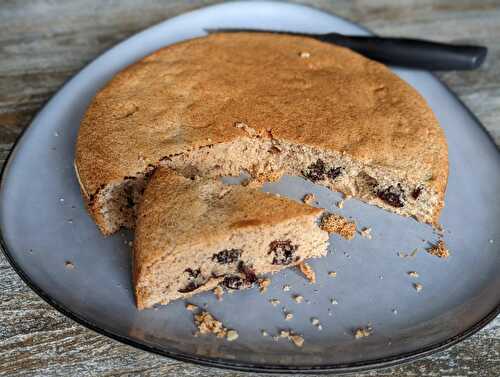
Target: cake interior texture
193, 235
267, 159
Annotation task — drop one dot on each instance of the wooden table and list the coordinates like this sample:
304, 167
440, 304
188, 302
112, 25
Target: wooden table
45, 42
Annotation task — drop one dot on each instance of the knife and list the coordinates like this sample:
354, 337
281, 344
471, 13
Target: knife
403, 52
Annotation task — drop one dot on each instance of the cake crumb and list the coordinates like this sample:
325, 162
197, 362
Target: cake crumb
297, 340
418, 287
274, 301
305, 55
284, 334
308, 272
191, 307
309, 199
286, 288
232, 335
413, 274
363, 332
207, 324
366, 233
69, 265
332, 274
333, 301
218, 292
314, 321
288, 316
130, 243
263, 284
439, 250
298, 299
333, 223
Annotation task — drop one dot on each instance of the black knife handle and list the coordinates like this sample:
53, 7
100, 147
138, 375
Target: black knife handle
412, 53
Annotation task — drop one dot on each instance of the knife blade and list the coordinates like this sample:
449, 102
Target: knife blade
403, 52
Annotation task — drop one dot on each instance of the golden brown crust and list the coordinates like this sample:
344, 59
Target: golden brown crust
192, 94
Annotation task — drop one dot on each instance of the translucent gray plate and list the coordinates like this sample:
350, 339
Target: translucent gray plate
44, 224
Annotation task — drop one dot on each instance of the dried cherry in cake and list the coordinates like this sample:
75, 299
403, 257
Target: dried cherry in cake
250, 276
394, 196
416, 193
316, 171
193, 274
232, 282
238, 282
334, 173
283, 251
227, 256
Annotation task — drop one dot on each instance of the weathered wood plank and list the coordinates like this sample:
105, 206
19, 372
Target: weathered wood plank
45, 42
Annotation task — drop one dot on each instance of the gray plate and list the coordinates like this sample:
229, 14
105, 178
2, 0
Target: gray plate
44, 224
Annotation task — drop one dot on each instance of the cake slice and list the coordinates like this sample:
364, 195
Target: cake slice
267, 104
193, 235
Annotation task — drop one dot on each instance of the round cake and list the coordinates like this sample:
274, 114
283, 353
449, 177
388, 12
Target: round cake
269, 105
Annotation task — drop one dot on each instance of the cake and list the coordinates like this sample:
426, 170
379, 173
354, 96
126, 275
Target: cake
194, 235
268, 105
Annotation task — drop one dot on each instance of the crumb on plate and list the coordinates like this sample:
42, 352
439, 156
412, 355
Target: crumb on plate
439, 250
333, 223
207, 324
366, 233
309, 199
363, 332
274, 301
418, 287
307, 271
232, 335
191, 307
263, 284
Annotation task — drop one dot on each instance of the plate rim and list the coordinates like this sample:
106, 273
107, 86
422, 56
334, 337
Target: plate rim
218, 362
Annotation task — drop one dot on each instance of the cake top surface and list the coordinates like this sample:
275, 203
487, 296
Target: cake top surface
178, 213
297, 89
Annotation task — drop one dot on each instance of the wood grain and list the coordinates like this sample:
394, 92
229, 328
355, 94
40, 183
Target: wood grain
45, 42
